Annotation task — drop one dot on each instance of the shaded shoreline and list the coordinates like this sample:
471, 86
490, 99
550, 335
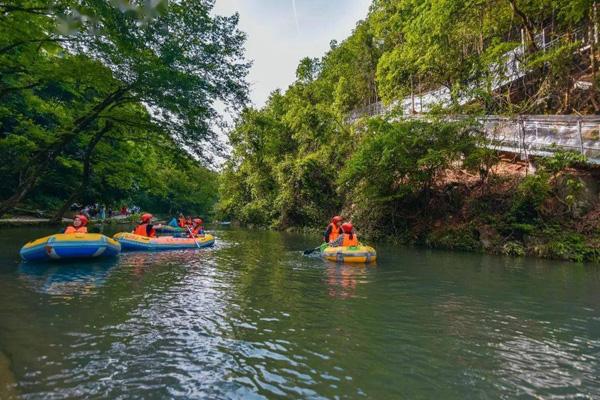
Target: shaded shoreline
8, 381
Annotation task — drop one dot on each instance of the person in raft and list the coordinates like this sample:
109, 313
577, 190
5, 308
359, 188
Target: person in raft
334, 229
145, 227
196, 229
79, 225
347, 238
181, 221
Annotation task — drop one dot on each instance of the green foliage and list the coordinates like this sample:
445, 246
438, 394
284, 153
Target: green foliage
396, 159
513, 248
463, 238
561, 160
569, 246
529, 197
100, 103
297, 161
481, 160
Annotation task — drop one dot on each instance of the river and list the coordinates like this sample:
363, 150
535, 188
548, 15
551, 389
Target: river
254, 318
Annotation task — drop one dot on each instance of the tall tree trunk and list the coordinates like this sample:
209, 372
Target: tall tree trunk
527, 24
40, 162
85, 177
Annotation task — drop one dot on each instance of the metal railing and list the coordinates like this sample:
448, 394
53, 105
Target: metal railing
542, 135
536, 135
511, 70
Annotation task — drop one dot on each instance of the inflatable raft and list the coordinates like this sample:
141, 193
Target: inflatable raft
352, 254
170, 229
78, 245
130, 241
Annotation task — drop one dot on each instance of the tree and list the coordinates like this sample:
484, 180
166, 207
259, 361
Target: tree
177, 73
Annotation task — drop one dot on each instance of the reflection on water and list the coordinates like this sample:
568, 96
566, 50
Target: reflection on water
253, 318
67, 279
342, 279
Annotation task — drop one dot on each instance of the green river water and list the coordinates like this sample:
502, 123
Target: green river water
254, 318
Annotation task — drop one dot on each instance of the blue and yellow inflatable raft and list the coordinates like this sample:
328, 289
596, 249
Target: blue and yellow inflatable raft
172, 230
130, 241
351, 254
78, 245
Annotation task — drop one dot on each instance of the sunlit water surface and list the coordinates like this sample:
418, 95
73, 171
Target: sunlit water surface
253, 318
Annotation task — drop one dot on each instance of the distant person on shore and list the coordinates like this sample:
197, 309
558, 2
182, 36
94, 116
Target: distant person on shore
334, 229
197, 228
347, 239
145, 227
102, 212
79, 225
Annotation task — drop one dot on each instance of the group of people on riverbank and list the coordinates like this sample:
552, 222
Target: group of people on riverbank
101, 211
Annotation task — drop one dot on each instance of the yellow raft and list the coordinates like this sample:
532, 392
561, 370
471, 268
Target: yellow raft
351, 254
76, 245
130, 241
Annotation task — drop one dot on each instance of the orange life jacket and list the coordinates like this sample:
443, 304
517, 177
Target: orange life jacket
71, 229
335, 232
181, 222
197, 230
350, 242
142, 230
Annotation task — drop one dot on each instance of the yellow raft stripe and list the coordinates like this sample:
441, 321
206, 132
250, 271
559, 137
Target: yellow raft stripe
76, 237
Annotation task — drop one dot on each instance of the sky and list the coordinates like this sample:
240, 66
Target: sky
282, 32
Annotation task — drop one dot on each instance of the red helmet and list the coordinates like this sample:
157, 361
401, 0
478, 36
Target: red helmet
347, 227
198, 221
337, 218
82, 218
147, 217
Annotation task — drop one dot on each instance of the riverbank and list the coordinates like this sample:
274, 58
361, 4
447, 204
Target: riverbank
519, 210
516, 211
32, 221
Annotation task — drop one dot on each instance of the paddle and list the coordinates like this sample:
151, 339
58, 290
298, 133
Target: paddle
192, 236
310, 251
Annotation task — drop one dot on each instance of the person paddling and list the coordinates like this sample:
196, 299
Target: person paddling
347, 238
145, 227
197, 229
79, 225
334, 229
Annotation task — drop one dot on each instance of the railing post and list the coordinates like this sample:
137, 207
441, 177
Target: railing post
579, 131
544, 39
523, 144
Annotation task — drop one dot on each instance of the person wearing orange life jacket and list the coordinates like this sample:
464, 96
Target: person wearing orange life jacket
347, 239
197, 229
334, 229
79, 225
145, 228
181, 221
